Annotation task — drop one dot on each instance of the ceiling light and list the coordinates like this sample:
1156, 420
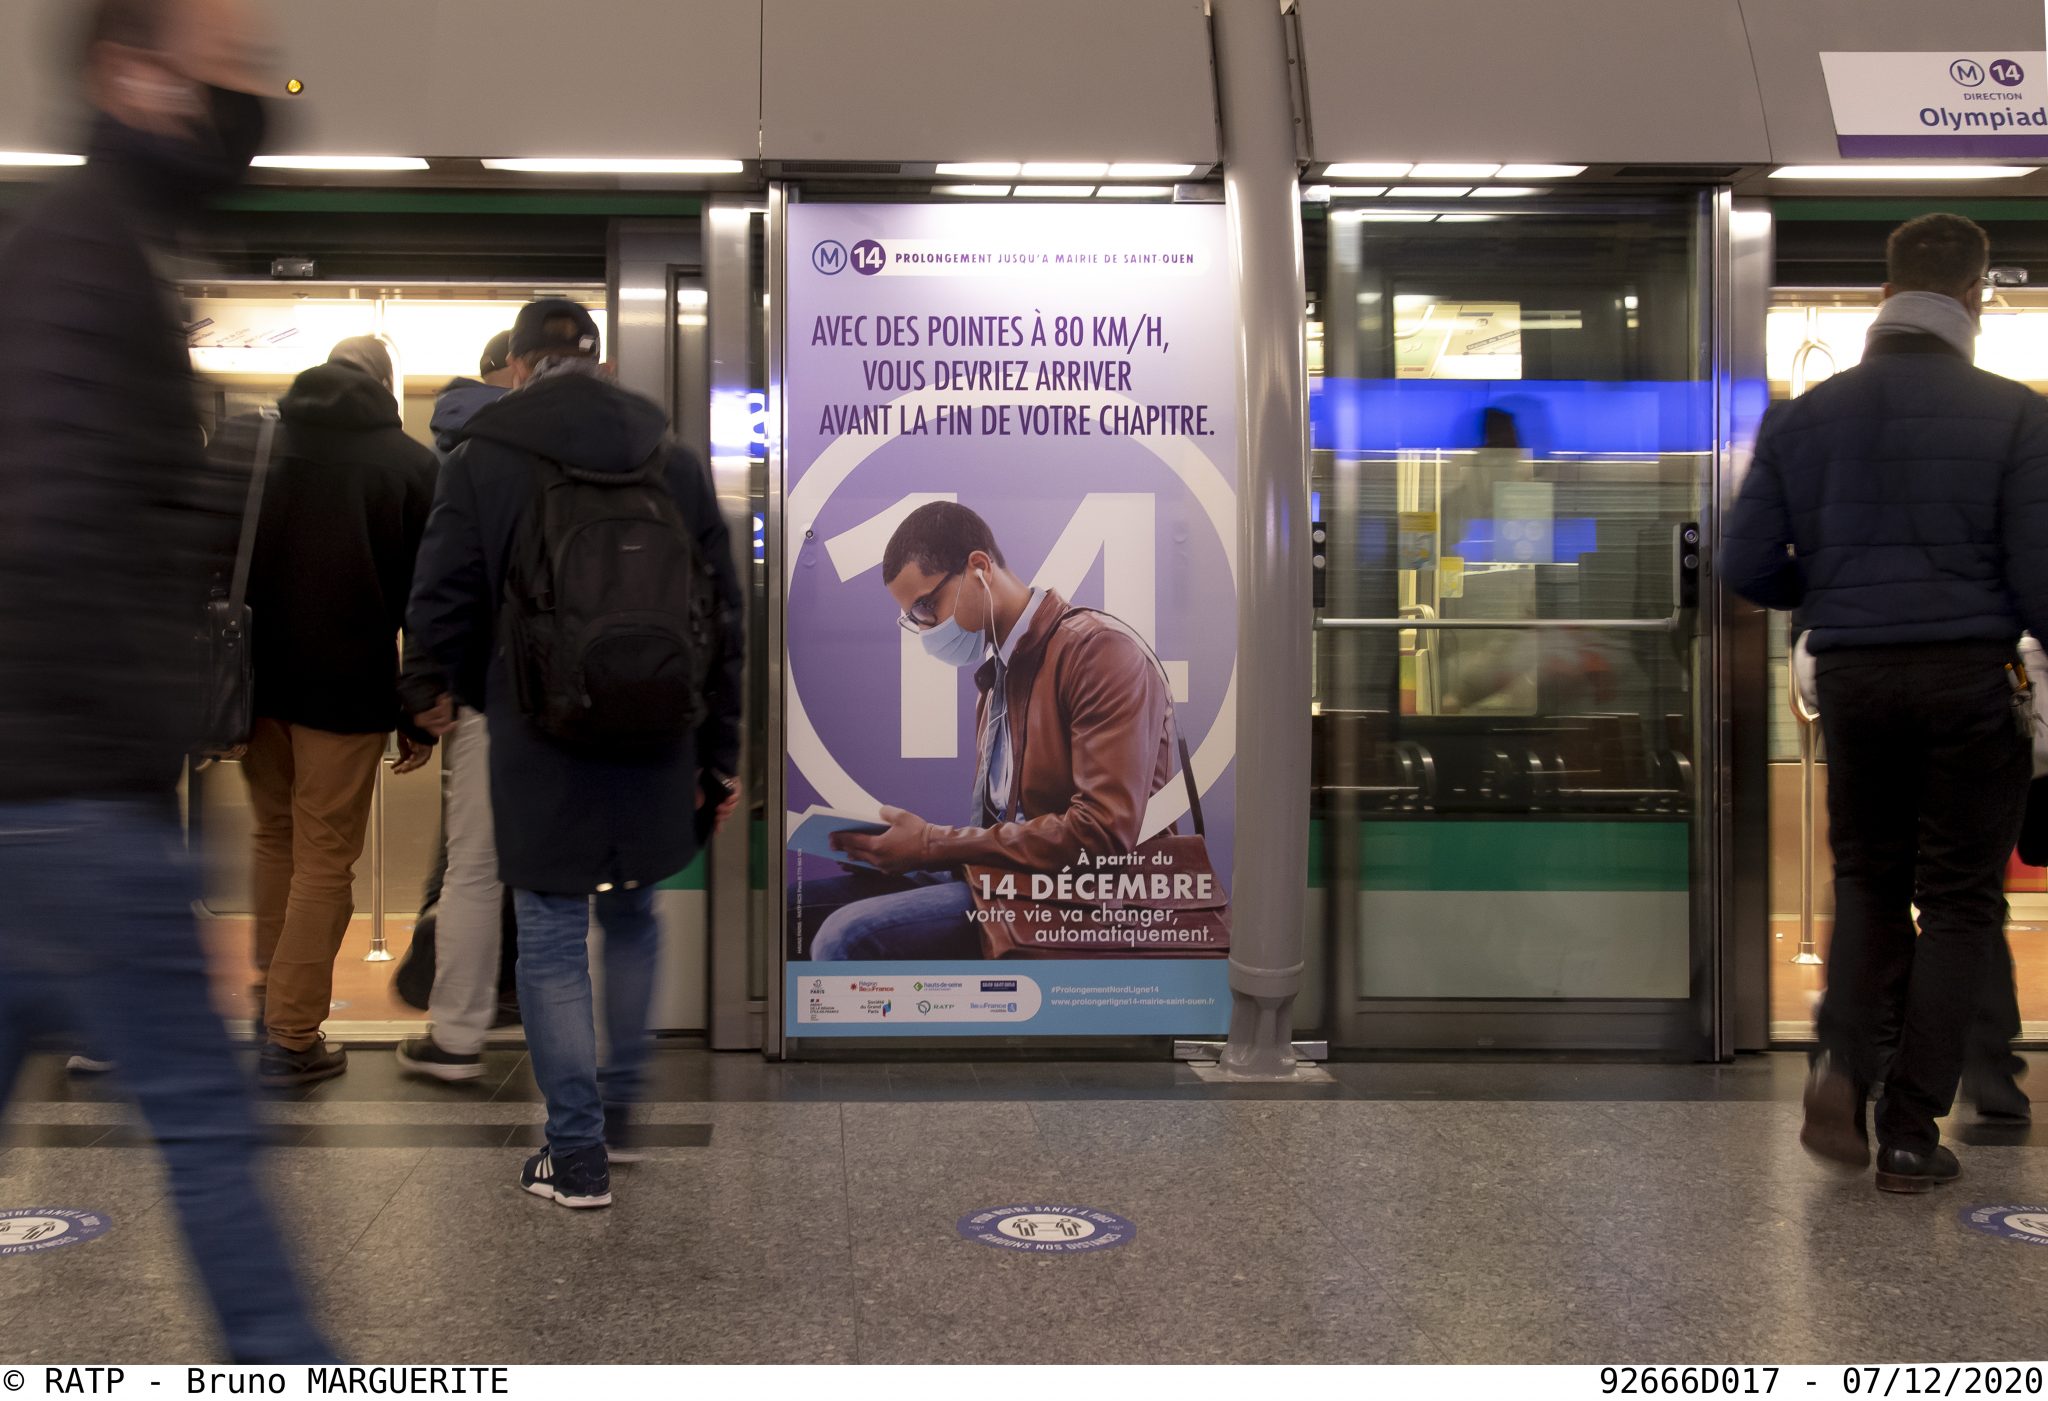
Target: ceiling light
1900, 172
1356, 191
339, 163
1360, 216
1539, 172
1065, 170
1364, 170
1466, 218
39, 158
614, 165
1315, 194
1135, 192
995, 170
1429, 191
1505, 191
1141, 170
1053, 191
973, 191
1452, 170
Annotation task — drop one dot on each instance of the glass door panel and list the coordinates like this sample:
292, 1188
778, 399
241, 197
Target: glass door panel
1514, 432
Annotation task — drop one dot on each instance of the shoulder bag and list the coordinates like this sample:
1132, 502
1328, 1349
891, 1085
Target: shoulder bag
231, 674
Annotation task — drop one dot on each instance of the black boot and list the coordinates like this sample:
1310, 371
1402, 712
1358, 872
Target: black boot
1905, 1170
1834, 1127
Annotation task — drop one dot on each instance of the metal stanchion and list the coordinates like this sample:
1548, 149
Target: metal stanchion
380, 948
1809, 742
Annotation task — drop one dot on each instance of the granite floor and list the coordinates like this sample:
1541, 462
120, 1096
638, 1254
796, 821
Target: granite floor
1505, 1211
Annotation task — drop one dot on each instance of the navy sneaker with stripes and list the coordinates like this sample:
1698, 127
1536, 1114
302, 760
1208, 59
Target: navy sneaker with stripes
578, 1179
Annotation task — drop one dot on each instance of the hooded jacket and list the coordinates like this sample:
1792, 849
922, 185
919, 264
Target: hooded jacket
568, 822
344, 507
114, 529
456, 405
1903, 501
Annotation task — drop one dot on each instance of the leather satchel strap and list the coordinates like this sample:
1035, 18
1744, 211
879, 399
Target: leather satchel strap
252, 510
1187, 765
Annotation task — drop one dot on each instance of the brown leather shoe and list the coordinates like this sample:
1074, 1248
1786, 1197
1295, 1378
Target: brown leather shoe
1834, 1116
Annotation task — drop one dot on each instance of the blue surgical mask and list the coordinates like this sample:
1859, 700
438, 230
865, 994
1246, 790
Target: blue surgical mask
955, 645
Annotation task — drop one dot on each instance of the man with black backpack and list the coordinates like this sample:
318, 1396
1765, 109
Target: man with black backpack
576, 584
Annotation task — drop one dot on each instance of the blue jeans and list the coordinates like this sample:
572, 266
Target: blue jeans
913, 922
97, 941
555, 1004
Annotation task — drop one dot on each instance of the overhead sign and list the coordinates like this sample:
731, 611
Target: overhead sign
1029, 414
1992, 103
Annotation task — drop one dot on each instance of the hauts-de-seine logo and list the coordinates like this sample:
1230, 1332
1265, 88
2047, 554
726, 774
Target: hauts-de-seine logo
829, 257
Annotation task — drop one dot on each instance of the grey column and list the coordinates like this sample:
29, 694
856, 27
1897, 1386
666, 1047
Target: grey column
1262, 197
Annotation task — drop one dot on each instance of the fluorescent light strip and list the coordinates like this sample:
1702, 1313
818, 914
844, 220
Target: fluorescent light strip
990, 170
1538, 172
1135, 192
613, 165
1453, 170
39, 158
1360, 216
1065, 170
973, 191
1365, 170
1053, 191
1901, 172
1429, 192
1505, 191
1466, 218
1356, 191
339, 163
1142, 170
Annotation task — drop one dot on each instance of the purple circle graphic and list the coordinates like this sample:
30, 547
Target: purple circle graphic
27, 1229
869, 257
2007, 73
2025, 1225
1047, 1230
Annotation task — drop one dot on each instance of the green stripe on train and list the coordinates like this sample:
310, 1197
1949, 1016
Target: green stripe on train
1522, 855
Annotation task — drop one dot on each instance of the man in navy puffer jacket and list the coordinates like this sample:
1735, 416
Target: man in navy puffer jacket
1902, 508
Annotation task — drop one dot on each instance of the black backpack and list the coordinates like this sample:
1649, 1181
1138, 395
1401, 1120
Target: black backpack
607, 618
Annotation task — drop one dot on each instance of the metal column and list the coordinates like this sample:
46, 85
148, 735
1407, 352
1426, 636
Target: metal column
735, 1014
1262, 197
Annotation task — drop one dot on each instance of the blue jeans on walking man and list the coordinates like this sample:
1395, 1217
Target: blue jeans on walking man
97, 941
556, 1005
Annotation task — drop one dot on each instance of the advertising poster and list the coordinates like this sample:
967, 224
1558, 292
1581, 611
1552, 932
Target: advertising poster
1010, 517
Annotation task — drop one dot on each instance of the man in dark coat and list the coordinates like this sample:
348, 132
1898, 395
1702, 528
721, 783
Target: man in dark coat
111, 538
344, 506
571, 825
1902, 508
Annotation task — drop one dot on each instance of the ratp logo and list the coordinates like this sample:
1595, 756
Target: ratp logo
829, 257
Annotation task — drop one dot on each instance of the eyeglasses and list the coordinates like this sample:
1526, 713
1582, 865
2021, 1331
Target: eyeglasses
923, 615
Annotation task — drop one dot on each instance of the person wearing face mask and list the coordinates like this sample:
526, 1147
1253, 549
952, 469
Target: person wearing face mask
1901, 508
1073, 736
344, 506
113, 534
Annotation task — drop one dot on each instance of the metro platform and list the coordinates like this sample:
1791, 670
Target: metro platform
1526, 1211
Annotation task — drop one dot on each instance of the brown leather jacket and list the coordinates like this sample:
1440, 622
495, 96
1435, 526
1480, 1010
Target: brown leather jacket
1091, 725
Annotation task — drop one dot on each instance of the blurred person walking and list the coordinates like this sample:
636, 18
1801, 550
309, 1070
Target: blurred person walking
577, 585
1901, 507
112, 533
342, 515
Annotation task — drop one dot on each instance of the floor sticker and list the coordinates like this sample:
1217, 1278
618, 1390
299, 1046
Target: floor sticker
2026, 1224
1047, 1230
26, 1229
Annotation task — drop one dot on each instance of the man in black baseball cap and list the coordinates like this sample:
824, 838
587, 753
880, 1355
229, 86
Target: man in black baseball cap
554, 327
595, 817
